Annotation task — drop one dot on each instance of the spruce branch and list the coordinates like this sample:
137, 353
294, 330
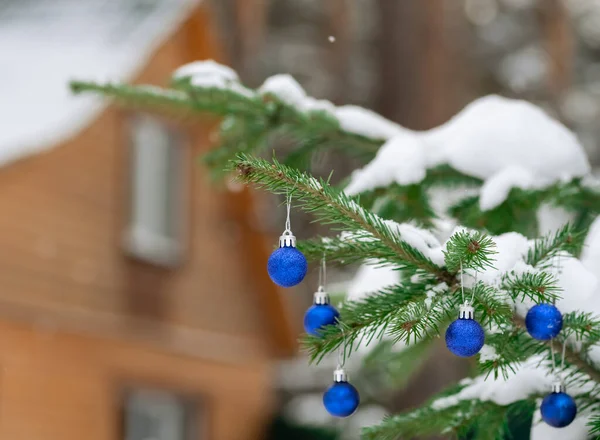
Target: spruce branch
400, 312
566, 239
489, 306
359, 247
540, 287
594, 424
584, 326
469, 249
483, 418
572, 357
332, 207
267, 114
513, 345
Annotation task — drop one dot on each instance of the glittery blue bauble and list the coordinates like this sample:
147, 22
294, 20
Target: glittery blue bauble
287, 266
543, 322
558, 409
319, 315
341, 399
465, 337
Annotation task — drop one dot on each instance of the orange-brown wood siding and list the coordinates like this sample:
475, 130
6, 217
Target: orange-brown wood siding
62, 263
55, 386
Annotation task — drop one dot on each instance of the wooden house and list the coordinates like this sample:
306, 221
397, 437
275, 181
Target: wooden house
134, 300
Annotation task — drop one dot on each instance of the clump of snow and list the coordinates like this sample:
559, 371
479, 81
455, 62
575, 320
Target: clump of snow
370, 278
288, 90
505, 142
530, 378
551, 218
219, 82
206, 68
488, 353
577, 430
210, 74
432, 293
590, 255
359, 120
421, 239
493, 133
578, 284
400, 160
285, 87
495, 190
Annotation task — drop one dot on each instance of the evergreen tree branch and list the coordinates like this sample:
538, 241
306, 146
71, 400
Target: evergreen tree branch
333, 207
266, 114
349, 249
469, 249
572, 357
400, 312
458, 420
566, 239
540, 287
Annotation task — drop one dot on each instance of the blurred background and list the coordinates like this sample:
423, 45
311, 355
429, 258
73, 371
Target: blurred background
134, 301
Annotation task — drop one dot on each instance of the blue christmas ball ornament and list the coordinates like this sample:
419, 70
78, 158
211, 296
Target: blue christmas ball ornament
320, 314
558, 409
287, 265
544, 322
341, 399
465, 336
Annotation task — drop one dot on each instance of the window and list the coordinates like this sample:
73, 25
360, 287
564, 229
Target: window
158, 415
156, 215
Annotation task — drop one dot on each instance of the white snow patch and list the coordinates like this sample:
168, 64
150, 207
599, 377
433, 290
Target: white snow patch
551, 218
577, 430
511, 248
400, 160
493, 133
285, 87
488, 353
495, 190
288, 90
220, 82
579, 286
369, 279
206, 68
590, 256
531, 378
431, 294
505, 142
98, 41
421, 239
211, 74
359, 120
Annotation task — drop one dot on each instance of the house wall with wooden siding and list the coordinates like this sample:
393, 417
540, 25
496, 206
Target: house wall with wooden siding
79, 319
61, 233
55, 386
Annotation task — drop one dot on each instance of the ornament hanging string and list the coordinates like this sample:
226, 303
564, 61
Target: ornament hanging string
322, 273
462, 286
288, 202
559, 272
562, 360
342, 351
462, 283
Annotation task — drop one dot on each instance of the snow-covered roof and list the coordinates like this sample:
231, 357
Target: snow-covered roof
44, 44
